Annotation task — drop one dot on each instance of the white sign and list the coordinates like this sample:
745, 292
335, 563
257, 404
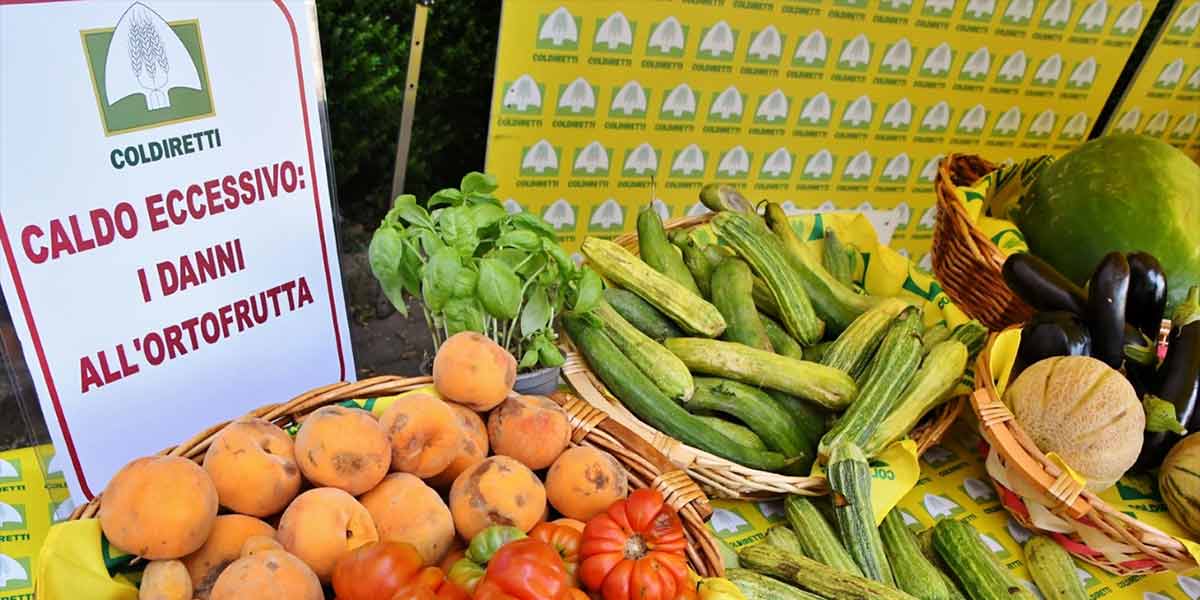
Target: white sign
170, 254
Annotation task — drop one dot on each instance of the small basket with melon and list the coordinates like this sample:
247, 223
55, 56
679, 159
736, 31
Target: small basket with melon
1084, 398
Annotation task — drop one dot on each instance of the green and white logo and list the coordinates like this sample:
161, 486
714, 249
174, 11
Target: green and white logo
577, 99
614, 34
1076, 127
717, 42
15, 573
1170, 75
1185, 127
1083, 75
679, 104
772, 108
1042, 125
928, 219
667, 39
540, 159
929, 172
938, 456
1009, 123
898, 58
591, 160
12, 517
608, 216
972, 121
728, 521
689, 162
811, 51
896, 6
1093, 17
980, 11
937, 8
819, 166
859, 168
766, 46
858, 114
977, 65
523, 96
855, 54
937, 61
1057, 14
727, 106
61, 511
561, 214
897, 169
995, 546
850, 3
1012, 70
1193, 82
734, 163
898, 116
1018, 12
558, 30
817, 111
1157, 123
937, 118
1129, 22
640, 161
979, 491
939, 507
1187, 21
10, 470
1049, 71
777, 165
629, 101
147, 72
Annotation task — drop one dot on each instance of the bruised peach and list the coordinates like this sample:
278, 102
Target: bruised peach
159, 507
474, 371
406, 510
223, 546
472, 450
497, 491
584, 482
271, 575
321, 525
165, 580
259, 543
345, 448
531, 429
424, 434
253, 465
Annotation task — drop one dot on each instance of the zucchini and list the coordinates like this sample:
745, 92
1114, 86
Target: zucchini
660, 366
616, 264
1053, 570
940, 371
820, 579
973, 565
834, 301
840, 259
699, 266
782, 342
761, 587
914, 573
935, 334
850, 492
641, 314
735, 431
731, 284
823, 385
758, 411
656, 250
784, 539
808, 419
816, 352
645, 400
894, 365
816, 536
754, 242
925, 542
719, 198
852, 350
765, 300
972, 334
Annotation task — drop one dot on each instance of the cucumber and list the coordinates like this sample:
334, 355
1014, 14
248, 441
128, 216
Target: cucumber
891, 369
645, 400
761, 587
758, 411
914, 573
782, 342
850, 490
940, 372
816, 352
1053, 570
641, 314
651, 358
699, 266
656, 250
816, 536
732, 283
852, 350
815, 577
784, 539
719, 197
755, 243
738, 433
973, 565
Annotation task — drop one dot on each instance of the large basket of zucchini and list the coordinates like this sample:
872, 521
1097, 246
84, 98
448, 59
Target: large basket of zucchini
747, 414
1088, 527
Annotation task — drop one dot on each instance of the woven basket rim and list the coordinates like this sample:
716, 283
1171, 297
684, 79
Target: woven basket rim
722, 477
1069, 499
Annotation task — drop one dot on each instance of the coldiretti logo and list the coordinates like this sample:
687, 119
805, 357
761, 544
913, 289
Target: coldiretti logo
1049, 71
523, 96
14, 573
772, 108
558, 30
979, 491
727, 106
591, 160
1042, 125
726, 521
855, 54
977, 65
939, 507
817, 111
897, 169
1008, 123
147, 72
819, 166
614, 34
10, 470
560, 214
811, 51
937, 61
898, 116
859, 167
858, 113
717, 42
577, 99
1093, 17
766, 46
1171, 73
689, 162
1187, 21
629, 101
1075, 128
777, 165
979, 10
540, 160
898, 58
608, 216
1185, 127
1012, 70
679, 104
972, 121
1083, 75
1057, 14
896, 6
1018, 12
937, 8
1129, 21
667, 38
734, 163
12, 517
640, 161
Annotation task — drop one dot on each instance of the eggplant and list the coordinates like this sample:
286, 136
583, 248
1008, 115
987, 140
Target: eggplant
1051, 333
1147, 299
1178, 381
1106, 300
1041, 286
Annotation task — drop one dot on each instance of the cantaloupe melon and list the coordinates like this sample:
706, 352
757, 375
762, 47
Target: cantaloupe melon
1179, 482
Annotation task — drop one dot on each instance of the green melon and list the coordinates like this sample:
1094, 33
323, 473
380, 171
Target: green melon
1118, 192
1179, 482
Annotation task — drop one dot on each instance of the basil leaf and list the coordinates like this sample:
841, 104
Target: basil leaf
550, 356
465, 283
458, 230
463, 314
499, 289
525, 240
446, 197
487, 215
536, 314
406, 209
534, 223
484, 183
529, 359
588, 292
386, 257
437, 282
565, 265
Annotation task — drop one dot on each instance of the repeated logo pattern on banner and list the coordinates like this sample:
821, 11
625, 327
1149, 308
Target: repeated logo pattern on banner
1164, 100
604, 106
33, 496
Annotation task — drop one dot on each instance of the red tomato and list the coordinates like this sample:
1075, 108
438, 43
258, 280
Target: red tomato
527, 569
564, 540
636, 551
381, 570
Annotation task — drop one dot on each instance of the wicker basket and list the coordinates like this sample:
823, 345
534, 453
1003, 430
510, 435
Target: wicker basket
1150, 550
590, 427
966, 262
721, 477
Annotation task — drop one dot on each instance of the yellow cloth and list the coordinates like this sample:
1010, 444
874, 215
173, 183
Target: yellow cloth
74, 565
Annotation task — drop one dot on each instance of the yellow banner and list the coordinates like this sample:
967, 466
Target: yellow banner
603, 106
33, 495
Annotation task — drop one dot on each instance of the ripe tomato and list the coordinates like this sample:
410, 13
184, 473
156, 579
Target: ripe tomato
636, 551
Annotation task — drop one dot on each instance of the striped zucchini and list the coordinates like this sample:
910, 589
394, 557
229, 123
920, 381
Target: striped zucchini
758, 411
934, 335
809, 420
850, 491
660, 366
685, 307
852, 350
914, 573
816, 536
738, 433
816, 352
754, 242
891, 369
815, 577
834, 301
925, 542
732, 282
823, 385
656, 250
761, 587
940, 372
645, 400
1053, 570
839, 258
699, 266
972, 334
782, 342
973, 565
784, 539
765, 300
641, 314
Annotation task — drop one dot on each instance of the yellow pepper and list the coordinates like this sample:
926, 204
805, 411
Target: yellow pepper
719, 588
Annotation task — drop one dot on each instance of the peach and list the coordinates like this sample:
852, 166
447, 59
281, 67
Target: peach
253, 465
584, 482
165, 580
345, 448
321, 525
159, 507
259, 543
473, 370
271, 575
424, 432
531, 429
406, 510
223, 546
497, 491
474, 447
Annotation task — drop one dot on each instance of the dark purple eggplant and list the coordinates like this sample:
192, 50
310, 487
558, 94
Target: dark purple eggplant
1041, 286
1147, 300
1178, 381
1051, 333
1106, 300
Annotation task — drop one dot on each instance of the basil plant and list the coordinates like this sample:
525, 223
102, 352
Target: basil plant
475, 267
